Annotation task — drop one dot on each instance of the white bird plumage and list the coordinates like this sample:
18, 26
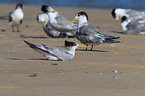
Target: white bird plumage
16, 17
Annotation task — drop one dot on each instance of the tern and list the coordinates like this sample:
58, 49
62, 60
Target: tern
90, 35
131, 14
16, 17
132, 26
57, 53
57, 21
43, 18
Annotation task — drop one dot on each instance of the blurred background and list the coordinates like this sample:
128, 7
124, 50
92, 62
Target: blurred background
133, 4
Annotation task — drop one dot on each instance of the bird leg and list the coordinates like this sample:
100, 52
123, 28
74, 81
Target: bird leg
18, 29
86, 47
13, 29
91, 48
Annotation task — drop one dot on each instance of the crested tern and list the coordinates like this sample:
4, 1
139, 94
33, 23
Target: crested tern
57, 21
43, 18
90, 35
117, 13
16, 17
57, 53
132, 26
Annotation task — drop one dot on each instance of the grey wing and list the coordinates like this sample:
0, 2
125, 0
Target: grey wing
63, 28
89, 30
62, 20
136, 15
90, 34
135, 27
10, 16
61, 52
51, 31
62, 24
39, 49
132, 12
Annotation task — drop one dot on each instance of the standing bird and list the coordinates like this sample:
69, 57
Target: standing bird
132, 26
57, 53
90, 35
117, 13
16, 17
57, 21
44, 19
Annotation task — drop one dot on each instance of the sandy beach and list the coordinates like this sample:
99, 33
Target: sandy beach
25, 72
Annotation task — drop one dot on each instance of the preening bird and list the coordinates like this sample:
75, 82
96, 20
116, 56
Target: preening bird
132, 26
118, 13
57, 21
44, 19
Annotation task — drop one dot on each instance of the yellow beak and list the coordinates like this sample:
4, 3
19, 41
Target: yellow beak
73, 21
42, 22
81, 46
55, 11
118, 21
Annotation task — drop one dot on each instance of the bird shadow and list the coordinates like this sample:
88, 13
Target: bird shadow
41, 37
27, 59
90, 50
4, 17
41, 59
117, 32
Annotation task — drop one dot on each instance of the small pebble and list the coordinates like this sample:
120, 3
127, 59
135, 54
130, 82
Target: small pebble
116, 77
27, 26
54, 64
100, 73
33, 75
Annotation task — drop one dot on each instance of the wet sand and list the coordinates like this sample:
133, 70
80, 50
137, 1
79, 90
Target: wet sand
24, 72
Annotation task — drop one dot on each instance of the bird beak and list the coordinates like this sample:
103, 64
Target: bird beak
73, 21
81, 46
54, 10
42, 22
118, 21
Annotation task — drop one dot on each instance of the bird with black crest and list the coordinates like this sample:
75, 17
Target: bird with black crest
88, 34
56, 53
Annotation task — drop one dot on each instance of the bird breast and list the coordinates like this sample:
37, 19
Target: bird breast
18, 15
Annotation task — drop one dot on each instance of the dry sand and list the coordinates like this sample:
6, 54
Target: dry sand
24, 72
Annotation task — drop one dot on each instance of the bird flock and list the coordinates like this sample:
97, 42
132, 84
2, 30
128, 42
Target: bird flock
57, 26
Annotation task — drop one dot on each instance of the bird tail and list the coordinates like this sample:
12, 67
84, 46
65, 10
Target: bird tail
38, 49
112, 37
30, 44
111, 41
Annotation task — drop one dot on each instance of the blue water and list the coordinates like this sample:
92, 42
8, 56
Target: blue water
133, 4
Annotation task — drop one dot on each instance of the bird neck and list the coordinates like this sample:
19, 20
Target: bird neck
46, 19
124, 25
72, 50
82, 22
19, 9
52, 16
